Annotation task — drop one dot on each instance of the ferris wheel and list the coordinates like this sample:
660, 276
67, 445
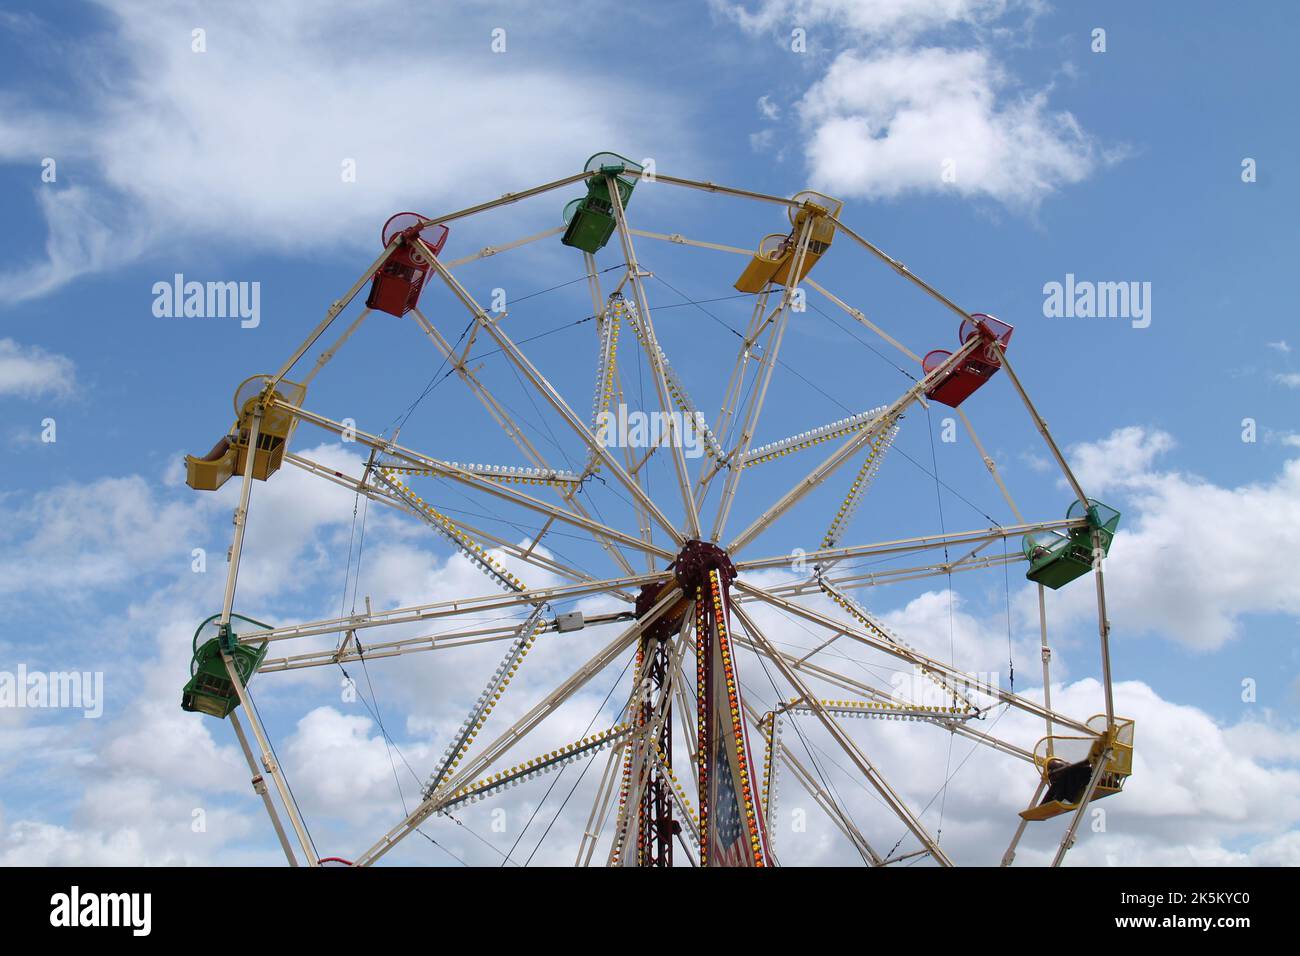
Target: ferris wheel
712, 707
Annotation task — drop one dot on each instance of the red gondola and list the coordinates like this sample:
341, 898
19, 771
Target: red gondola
979, 366
397, 284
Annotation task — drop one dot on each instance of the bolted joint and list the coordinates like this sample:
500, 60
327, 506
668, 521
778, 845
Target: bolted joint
669, 622
696, 560
226, 638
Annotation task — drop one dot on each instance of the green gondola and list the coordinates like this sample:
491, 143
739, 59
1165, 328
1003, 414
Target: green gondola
210, 689
589, 221
1056, 559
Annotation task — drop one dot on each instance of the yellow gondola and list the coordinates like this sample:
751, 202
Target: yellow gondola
774, 259
1068, 763
771, 255
230, 455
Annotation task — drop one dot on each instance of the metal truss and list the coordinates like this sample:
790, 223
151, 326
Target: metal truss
642, 800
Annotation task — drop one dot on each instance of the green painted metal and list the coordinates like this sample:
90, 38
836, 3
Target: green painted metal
589, 221
1056, 559
210, 689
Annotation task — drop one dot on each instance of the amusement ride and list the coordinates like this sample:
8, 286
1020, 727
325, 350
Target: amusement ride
689, 768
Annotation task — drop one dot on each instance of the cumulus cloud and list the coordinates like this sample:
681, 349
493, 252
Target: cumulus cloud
34, 843
146, 784
135, 779
1202, 592
897, 113
1196, 797
1118, 460
248, 140
81, 537
900, 18
342, 764
1203, 791
933, 119
1196, 794
939, 624
29, 371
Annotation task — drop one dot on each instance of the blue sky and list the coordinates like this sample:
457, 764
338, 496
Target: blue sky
224, 165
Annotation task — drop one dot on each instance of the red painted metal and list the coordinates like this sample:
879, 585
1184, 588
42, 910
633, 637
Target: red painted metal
397, 284
981, 365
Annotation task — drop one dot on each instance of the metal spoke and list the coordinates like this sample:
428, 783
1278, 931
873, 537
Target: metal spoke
547, 391
639, 774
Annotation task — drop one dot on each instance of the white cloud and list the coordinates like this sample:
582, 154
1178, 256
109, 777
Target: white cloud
341, 765
149, 785
1195, 787
887, 123
75, 538
33, 843
247, 141
1191, 558
1196, 795
1280, 346
1036, 462
898, 18
762, 141
1118, 460
768, 109
134, 779
128, 820
1289, 379
88, 232
892, 115
1202, 793
31, 372
938, 624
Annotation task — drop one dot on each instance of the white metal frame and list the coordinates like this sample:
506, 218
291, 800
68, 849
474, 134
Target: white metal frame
767, 325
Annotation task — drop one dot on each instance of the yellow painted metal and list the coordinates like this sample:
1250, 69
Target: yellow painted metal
810, 259
762, 267
1053, 752
212, 470
230, 455
1045, 811
775, 256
